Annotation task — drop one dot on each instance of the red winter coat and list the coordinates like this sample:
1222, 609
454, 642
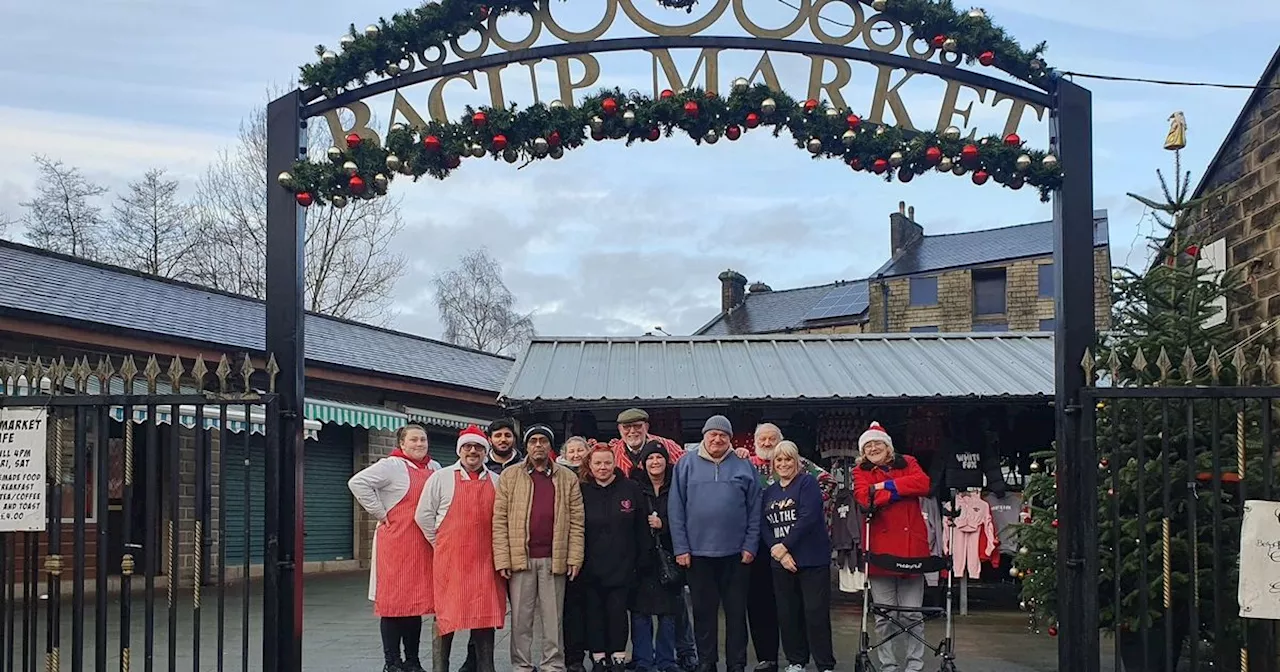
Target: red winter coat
897, 528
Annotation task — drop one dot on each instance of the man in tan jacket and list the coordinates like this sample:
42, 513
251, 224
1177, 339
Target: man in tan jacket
537, 543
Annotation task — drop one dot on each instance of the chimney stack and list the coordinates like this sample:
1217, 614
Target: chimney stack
903, 230
733, 290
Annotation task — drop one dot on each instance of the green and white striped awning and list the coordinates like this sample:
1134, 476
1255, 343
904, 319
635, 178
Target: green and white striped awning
256, 424
369, 417
441, 419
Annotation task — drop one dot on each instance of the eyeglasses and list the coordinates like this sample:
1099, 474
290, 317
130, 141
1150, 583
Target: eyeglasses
473, 446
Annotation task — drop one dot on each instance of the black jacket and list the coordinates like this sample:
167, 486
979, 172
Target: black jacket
616, 531
650, 596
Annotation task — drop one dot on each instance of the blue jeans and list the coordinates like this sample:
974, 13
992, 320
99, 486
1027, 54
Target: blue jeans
648, 655
685, 647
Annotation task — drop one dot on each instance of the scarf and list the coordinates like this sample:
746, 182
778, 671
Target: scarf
421, 464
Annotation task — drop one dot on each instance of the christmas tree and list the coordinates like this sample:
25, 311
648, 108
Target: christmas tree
1164, 333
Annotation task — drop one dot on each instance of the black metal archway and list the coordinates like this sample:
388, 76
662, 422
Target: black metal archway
1070, 107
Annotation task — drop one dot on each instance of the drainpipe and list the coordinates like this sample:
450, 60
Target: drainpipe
884, 298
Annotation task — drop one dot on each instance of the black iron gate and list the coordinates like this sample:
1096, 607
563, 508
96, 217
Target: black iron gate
130, 569
1176, 463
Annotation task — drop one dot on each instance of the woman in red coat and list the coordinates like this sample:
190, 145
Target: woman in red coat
891, 486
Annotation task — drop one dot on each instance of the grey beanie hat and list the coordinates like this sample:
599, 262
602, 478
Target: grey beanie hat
719, 423
537, 430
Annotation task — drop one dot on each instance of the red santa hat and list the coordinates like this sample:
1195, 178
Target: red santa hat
472, 434
874, 433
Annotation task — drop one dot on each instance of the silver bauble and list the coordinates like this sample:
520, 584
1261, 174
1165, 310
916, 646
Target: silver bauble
1024, 550
329, 58
393, 162
1035, 465
557, 152
769, 106
405, 168
944, 165
557, 105
951, 133
832, 113
540, 146
350, 168
396, 127
393, 69
815, 145
380, 182
1023, 162
285, 179
879, 5
371, 31
334, 154
510, 155
346, 41
629, 118
597, 124
712, 137
740, 84
848, 138
477, 151
880, 130
1050, 161
1013, 571
895, 159
977, 14
950, 44
339, 201
958, 169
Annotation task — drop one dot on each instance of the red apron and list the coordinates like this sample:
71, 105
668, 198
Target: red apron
404, 557
470, 595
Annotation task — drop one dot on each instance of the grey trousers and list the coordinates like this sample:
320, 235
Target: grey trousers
535, 593
901, 591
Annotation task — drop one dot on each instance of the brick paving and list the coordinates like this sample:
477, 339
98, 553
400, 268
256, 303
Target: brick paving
341, 634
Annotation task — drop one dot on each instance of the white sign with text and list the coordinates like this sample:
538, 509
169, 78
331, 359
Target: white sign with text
1260, 560
23, 436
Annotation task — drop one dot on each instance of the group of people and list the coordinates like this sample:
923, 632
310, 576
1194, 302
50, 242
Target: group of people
609, 543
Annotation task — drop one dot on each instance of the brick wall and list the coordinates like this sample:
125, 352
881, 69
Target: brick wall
1245, 209
371, 446
838, 329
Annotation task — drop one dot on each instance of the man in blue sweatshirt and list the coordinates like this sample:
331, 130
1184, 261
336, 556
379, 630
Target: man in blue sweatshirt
715, 531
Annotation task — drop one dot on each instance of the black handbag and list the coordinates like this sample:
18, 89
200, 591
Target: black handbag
670, 574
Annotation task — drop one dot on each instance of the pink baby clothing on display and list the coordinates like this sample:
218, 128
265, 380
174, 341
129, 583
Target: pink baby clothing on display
974, 518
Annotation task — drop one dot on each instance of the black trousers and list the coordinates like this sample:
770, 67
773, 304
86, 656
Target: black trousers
716, 583
574, 625
804, 612
396, 630
762, 611
609, 627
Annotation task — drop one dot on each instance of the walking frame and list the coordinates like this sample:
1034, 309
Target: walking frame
912, 615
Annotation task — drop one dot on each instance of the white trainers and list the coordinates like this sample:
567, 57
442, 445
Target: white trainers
795, 668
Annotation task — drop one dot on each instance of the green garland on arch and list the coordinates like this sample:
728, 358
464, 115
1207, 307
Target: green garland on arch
394, 46
364, 169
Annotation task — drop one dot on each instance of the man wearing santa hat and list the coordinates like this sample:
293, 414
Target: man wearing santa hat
456, 515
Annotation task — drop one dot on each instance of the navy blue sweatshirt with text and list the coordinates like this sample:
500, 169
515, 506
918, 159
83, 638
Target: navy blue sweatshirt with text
793, 517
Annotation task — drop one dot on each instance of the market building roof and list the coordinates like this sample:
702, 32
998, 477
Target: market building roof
48, 284
779, 311
581, 372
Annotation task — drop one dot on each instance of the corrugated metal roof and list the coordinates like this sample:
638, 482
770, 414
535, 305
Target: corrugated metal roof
702, 369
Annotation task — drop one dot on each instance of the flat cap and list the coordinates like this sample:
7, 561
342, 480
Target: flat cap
632, 415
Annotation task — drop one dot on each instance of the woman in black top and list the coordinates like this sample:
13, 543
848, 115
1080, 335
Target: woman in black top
652, 472
616, 531
573, 618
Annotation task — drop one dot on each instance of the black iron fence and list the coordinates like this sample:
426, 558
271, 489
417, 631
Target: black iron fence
146, 493
1181, 449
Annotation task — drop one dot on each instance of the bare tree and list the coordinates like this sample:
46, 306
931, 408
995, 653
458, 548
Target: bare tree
64, 216
152, 230
477, 309
352, 266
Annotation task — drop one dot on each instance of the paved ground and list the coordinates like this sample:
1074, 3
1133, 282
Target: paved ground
342, 634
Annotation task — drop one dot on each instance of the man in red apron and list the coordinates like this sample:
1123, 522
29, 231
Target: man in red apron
456, 514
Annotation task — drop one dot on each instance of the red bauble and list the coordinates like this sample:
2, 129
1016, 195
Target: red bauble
353, 140
879, 166
987, 57
553, 139
356, 184
969, 154
691, 109
753, 120
810, 105
933, 155
432, 143
855, 163
452, 161
733, 132
1103, 463
1012, 140
668, 94
980, 177
654, 133
610, 106
482, 12
854, 121
1053, 631
1193, 250
1054, 523
939, 40
499, 142
305, 199
479, 119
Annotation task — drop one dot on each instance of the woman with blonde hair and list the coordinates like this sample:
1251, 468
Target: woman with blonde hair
573, 622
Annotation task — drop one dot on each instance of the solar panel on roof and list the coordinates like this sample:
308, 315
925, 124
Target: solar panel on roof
841, 301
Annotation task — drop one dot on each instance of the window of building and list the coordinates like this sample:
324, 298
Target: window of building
1048, 325
924, 291
1046, 281
1213, 257
991, 326
989, 292
924, 330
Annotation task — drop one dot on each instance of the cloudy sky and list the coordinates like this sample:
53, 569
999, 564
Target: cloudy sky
611, 240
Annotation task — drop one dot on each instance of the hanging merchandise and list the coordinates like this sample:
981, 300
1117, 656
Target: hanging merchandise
665, 422
925, 425
1005, 511
838, 435
846, 541
974, 536
851, 579
968, 459
933, 525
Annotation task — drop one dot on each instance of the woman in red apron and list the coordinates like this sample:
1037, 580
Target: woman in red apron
400, 580
456, 514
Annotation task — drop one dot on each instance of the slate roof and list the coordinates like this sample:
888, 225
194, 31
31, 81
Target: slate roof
44, 283
973, 248
1227, 150
771, 312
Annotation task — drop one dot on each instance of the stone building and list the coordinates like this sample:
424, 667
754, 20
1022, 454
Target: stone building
1239, 227
994, 280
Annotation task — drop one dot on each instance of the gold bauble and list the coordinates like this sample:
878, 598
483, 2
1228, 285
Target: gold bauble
371, 31
393, 69
285, 179
380, 182
334, 154
346, 41
895, 159
951, 133
397, 127
815, 145
944, 165
329, 58
350, 168
879, 5
629, 118
1023, 162
477, 151
848, 138
1050, 161
769, 106
540, 146
832, 113
977, 14
740, 84
958, 169
393, 162
510, 155
880, 130
597, 124
339, 201
557, 105
950, 44
557, 152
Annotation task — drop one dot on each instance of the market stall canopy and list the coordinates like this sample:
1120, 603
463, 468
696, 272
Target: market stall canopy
577, 372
